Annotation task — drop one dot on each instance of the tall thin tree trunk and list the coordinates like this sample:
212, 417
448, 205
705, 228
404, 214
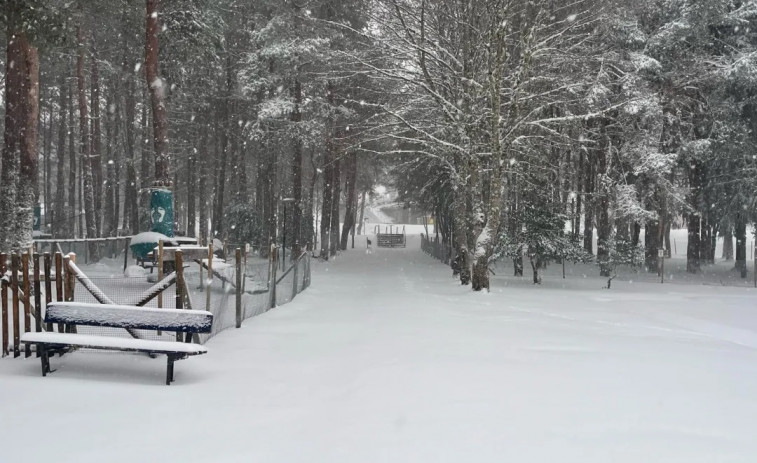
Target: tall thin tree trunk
145, 181
603, 203
589, 184
48, 183
728, 243
96, 154
60, 227
740, 230
15, 124
694, 247
336, 199
351, 201
110, 183
88, 192
362, 215
73, 173
157, 96
296, 118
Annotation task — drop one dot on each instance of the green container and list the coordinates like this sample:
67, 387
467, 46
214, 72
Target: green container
161, 212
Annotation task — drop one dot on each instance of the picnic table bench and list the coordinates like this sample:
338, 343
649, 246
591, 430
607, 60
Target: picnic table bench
120, 316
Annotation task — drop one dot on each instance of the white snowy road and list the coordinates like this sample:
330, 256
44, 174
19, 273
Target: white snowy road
385, 359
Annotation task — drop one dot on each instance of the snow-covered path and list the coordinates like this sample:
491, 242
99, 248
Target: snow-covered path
384, 359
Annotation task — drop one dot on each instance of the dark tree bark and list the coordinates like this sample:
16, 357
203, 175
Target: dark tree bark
131, 210
694, 218
146, 163
328, 180
157, 96
96, 154
296, 118
88, 191
728, 243
589, 188
351, 201
220, 177
336, 199
60, 226
109, 211
73, 177
604, 227
740, 232
19, 173
48, 183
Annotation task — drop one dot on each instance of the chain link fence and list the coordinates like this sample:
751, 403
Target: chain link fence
232, 289
437, 249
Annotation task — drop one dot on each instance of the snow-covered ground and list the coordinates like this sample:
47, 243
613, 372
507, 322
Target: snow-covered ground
386, 359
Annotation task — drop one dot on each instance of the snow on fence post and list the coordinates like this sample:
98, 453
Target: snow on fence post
16, 311
4, 296
26, 301
239, 287
48, 285
59, 282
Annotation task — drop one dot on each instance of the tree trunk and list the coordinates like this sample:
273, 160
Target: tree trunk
157, 96
220, 177
694, 247
114, 181
73, 177
603, 203
589, 183
296, 118
336, 200
88, 191
728, 243
362, 214
144, 171
740, 230
96, 154
109, 229
16, 99
328, 180
351, 202
48, 183
60, 227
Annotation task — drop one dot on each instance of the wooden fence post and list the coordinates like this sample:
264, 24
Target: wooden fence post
16, 311
59, 283
26, 300
37, 296
48, 286
160, 272
209, 280
126, 253
179, 263
239, 287
4, 296
70, 284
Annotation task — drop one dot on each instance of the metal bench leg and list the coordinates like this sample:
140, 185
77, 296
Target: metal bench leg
45, 359
169, 371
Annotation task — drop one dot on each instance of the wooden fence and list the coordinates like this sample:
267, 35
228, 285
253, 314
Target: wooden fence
31, 280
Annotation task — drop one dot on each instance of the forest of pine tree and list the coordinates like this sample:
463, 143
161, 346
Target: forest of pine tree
524, 128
